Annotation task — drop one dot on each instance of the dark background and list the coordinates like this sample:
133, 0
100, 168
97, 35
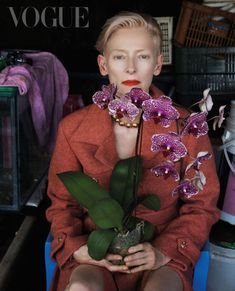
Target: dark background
75, 46
72, 45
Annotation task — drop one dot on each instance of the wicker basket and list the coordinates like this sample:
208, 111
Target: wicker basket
203, 26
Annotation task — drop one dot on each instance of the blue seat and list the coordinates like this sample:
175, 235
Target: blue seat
199, 278
201, 269
49, 263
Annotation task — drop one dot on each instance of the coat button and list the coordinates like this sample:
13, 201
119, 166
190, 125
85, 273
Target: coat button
183, 245
60, 239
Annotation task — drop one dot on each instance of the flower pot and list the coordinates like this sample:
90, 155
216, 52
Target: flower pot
123, 241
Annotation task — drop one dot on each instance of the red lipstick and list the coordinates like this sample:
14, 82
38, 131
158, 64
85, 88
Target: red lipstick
131, 82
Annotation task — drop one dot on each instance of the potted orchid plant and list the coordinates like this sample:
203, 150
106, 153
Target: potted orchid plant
112, 212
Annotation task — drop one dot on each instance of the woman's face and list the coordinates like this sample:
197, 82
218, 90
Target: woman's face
130, 60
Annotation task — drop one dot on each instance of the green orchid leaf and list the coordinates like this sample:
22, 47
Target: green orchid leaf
125, 180
107, 213
83, 188
148, 231
150, 201
99, 242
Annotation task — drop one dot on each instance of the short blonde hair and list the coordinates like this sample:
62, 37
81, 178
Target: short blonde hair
126, 19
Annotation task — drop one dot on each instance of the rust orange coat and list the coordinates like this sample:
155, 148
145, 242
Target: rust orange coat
86, 142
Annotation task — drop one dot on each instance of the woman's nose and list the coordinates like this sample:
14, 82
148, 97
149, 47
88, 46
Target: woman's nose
131, 67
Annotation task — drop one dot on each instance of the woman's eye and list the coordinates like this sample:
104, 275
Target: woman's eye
119, 57
144, 57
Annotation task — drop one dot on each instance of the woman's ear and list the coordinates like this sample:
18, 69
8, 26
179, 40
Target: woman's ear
158, 66
102, 65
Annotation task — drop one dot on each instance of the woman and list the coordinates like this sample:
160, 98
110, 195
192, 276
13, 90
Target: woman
90, 140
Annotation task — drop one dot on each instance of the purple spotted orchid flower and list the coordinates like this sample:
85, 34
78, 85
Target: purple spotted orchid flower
119, 108
160, 110
102, 98
196, 125
137, 96
170, 146
186, 189
166, 169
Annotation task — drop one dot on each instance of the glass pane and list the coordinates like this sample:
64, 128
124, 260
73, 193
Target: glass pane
6, 163
33, 160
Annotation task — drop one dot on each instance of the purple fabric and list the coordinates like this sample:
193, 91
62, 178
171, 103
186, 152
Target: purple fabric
53, 82
21, 77
16, 76
46, 83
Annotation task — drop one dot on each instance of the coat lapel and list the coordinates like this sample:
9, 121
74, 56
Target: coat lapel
96, 129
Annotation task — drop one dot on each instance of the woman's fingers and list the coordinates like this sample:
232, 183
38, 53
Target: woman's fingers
142, 257
113, 257
137, 248
118, 268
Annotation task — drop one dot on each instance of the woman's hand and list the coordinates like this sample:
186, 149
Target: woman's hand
82, 257
145, 257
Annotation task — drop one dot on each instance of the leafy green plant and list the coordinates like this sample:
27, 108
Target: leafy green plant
112, 211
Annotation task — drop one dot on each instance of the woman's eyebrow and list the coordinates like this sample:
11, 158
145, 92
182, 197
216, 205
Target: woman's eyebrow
125, 50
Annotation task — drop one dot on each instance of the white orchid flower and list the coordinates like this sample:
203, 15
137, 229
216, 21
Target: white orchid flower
206, 103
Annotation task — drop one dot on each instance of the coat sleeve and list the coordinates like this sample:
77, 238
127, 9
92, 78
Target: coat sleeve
184, 236
64, 213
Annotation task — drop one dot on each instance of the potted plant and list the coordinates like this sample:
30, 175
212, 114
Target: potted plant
112, 212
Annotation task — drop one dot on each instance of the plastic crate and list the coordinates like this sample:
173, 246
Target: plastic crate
200, 68
203, 26
166, 24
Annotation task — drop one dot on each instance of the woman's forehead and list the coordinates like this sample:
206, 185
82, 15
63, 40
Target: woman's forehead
125, 38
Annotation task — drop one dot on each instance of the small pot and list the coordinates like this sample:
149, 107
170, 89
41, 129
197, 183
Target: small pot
123, 241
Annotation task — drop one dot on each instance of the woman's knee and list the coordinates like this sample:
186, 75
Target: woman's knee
163, 279
85, 278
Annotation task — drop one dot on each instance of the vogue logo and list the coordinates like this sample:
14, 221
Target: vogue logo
49, 17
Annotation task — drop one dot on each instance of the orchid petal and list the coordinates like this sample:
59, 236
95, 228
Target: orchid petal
196, 163
166, 169
185, 189
170, 145
119, 108
199, 180
160, 110
206, 103
166, 99
196, 125
218, 120
102, 98
137, 96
